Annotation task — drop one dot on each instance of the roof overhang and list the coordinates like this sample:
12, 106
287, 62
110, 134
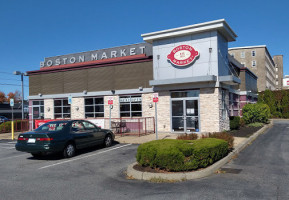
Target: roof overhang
229, 80
217, 25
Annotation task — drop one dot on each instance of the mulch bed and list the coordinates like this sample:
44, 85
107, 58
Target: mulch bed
244, 131
157, 170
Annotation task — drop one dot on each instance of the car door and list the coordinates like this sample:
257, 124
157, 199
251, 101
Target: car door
80, 135
97, 134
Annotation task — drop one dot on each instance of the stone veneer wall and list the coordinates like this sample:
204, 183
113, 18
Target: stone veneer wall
77, 108
209, 110
48, 104
164, 114
224, 123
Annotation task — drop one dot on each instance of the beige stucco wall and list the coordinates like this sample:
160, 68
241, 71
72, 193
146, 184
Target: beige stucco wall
48, 109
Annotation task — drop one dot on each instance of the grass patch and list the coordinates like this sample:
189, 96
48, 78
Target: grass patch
255, 124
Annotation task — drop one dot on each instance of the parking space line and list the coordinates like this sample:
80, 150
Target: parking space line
12, 142
7, 147
13, 157
70, 160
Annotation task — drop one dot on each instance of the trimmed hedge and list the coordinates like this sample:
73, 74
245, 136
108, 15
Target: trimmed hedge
223, 136
258, 112
234, 122
181, 155
192, 136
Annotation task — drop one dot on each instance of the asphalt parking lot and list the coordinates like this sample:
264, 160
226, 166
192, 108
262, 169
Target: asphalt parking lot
261, 171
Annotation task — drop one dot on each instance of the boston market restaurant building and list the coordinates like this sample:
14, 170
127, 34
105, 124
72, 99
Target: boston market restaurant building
188, 67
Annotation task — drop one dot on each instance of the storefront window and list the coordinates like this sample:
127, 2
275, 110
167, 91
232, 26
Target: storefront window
94, 107
130, 106
38, 109
61, 109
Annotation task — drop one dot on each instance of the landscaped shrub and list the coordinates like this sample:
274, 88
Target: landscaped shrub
256, 124
223, 136
181, 155
192, 136
234, 122
256, 113
242, 122
6, 126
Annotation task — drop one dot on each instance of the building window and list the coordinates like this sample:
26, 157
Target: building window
223, 104
253, 53
276, 69
130, 106
61, 109
277, 83
276, 75
94, 107
254, 63
243, 54
244, 64
233, 55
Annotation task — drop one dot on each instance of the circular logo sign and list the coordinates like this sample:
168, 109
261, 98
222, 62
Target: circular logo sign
183, 55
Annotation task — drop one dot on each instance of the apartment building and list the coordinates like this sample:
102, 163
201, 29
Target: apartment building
258, 59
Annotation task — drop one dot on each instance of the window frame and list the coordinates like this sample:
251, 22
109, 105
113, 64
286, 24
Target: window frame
253, 53
130, 103
62, 109
94, 112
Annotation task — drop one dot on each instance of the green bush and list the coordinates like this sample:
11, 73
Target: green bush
234, 122
192, 136
6, 126
181, 155
258, 112
242, 122
256, 124
223, 136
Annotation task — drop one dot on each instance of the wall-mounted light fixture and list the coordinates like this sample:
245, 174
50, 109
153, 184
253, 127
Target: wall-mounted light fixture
113, 91
39, 94
210, 49
140, 88
150, 105
48, 109
76, 108
84, 91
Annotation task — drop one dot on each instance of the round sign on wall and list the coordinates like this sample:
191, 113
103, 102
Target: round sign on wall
183, 55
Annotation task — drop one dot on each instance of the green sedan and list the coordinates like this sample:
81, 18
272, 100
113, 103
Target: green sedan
64, 137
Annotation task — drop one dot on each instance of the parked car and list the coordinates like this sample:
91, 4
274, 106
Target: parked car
3, 119
64, 137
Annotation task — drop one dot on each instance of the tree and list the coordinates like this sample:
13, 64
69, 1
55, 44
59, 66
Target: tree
16, 96
2, 97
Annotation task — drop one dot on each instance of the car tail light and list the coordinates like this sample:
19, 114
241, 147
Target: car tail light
44, 139
22, 138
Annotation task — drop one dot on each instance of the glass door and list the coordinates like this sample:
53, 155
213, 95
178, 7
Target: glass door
185, 115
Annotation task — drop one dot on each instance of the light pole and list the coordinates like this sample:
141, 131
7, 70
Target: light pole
22, 92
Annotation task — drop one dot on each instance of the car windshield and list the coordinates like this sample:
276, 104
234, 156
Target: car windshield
52, 126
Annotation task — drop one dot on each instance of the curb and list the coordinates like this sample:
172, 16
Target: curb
181, 176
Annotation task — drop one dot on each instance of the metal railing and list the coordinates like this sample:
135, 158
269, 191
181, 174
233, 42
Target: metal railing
20, 125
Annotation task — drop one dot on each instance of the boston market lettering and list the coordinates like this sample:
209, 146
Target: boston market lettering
183, 55
128, 50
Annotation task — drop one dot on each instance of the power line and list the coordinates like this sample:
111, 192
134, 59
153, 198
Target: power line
12, 84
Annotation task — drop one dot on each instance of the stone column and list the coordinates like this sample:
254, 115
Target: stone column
164, 111
77, 108
209, 110
48, 109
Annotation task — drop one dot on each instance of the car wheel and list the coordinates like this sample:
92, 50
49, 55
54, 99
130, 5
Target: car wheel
108, 141
69, 150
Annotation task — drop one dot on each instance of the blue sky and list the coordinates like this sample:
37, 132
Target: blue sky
31, 30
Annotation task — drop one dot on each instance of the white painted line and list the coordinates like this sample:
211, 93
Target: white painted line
60, 163
12, 142
7, 147
6, 144
13, 157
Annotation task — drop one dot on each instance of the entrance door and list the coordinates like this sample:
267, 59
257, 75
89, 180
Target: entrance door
185, 115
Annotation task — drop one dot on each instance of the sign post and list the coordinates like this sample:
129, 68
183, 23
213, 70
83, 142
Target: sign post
12, 123
156, 99
110, 103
